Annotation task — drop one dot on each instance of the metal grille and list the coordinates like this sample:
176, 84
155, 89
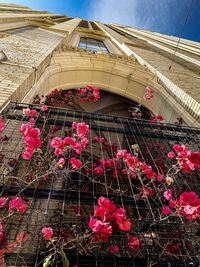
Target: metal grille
65, 202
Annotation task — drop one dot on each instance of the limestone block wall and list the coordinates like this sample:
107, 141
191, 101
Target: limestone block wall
186, 79
31, 47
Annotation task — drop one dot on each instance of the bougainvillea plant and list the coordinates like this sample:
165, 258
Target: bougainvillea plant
108, 224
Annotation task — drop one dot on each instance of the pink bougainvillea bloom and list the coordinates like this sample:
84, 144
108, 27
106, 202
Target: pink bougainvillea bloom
2, 124
82, 129
168, 194
47, 233
57, 142
61, 161
18, 204
171, 155
188, 205
124, 224
188, 161
157, 119
44, 108
119, 214
106, 204
172, 203
29, 112
98, 170
147, 191
27, 155
159, 178
101, 213
70, 141
166, 210
95, 224
74, 125
2, 202
113, 249
106, 229
76, 163
31, 120
149, 90
134, 243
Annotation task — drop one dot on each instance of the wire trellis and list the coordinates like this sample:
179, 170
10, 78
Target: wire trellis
65, 201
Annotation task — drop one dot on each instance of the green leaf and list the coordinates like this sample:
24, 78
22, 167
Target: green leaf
47, 261
64, 259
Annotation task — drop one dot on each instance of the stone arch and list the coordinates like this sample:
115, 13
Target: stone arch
118, 75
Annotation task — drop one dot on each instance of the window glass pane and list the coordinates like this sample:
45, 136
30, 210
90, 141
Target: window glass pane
93, 44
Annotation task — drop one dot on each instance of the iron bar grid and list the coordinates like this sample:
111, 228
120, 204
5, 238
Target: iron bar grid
65, 201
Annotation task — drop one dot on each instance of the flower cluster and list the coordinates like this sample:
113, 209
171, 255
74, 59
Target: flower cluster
157, 119
18, 204
76, 143
47, 233
88, 94
134, 243
134, 165
106, 218
188, 205
148, 94
188, 161
2, 125
31, 139
30, 112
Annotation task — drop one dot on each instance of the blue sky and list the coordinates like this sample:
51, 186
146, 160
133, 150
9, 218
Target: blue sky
165, 16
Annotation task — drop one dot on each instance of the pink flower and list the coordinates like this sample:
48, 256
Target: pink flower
57, 142
47, 232
159, 178
95, 224
18, 204
27, 155
44, 108
76, 163
2, 124
124, 224
31, 121
113, 249
106, 204
61, 161
149, 90
29, 112
171, 155
172, 203
101, 213
157, 119
82, 129
188, 205
147, 191
168, 194
98, 170
166, 210
2, 202
134, 243
119, 214
106, 229
70, 141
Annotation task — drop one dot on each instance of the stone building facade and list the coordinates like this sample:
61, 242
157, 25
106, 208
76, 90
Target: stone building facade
46, 51
122, 161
